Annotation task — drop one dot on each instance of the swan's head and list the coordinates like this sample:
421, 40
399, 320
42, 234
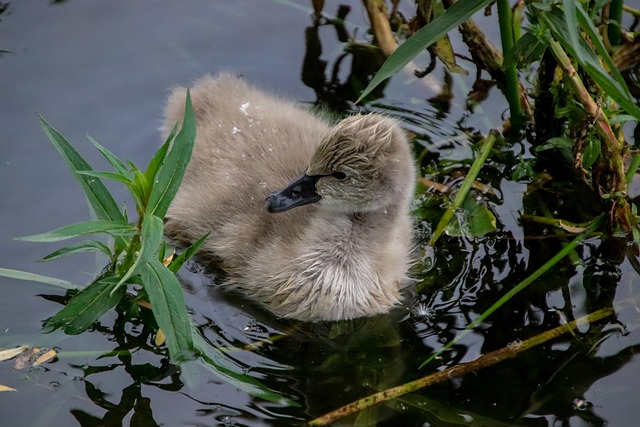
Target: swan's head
364, 164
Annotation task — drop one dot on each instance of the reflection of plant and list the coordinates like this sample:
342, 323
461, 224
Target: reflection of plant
139, 261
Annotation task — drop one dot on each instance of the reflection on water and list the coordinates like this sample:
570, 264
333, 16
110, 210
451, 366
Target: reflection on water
116, 375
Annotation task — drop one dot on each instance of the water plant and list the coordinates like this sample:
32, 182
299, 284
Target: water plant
141, 267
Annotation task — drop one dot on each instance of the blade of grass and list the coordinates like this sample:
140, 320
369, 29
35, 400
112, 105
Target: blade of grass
114, 228
466, 186
32, 277
172, 170
84, 309
423, 38
169, 308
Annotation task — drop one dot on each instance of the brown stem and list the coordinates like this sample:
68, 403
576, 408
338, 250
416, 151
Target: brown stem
488, 359
614, 178
378, 15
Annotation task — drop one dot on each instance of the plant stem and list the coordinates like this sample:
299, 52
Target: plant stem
377, 11
512, 88
614, 30
466, 186
484, 361
612, 149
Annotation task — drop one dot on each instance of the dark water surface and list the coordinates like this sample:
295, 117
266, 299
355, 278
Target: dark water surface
105, 68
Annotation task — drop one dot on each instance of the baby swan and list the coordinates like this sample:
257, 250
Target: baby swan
332, 244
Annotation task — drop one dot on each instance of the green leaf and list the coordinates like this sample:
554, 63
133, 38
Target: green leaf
179, 261
473, 220
159, 156
586, 24
84, 309
115, 162
114, 228
423, 38
555, 142
84, 246
591, 153
151, 237
172, 170
32, 277
169, 309
621, 118
586, 57
527, 50
112, 176
99, 197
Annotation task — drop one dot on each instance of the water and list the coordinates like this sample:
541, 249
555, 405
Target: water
105, 68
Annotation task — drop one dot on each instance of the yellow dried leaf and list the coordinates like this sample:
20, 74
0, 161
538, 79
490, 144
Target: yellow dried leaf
12, 352
6, 388
168, 259
160, 337
45, 357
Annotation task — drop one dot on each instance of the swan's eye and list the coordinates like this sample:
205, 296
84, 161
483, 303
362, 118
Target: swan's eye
339, 175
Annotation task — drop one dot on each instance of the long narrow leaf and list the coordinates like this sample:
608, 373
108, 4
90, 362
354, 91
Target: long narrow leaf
172, 170
159, 156
592, 32
112, 176
169, 308
151, 237
84, 246
84, 309
114, 228
99, 197
32, 277
587, 58
115, 162
179, 261
423, 38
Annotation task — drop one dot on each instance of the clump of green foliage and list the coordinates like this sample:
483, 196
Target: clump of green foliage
141, 266
586, 93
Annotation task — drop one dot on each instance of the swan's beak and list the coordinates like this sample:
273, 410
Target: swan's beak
300, 192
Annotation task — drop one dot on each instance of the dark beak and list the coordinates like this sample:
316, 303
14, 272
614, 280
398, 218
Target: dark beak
300, 192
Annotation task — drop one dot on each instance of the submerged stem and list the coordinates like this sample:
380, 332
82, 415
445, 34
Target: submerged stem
484, 361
